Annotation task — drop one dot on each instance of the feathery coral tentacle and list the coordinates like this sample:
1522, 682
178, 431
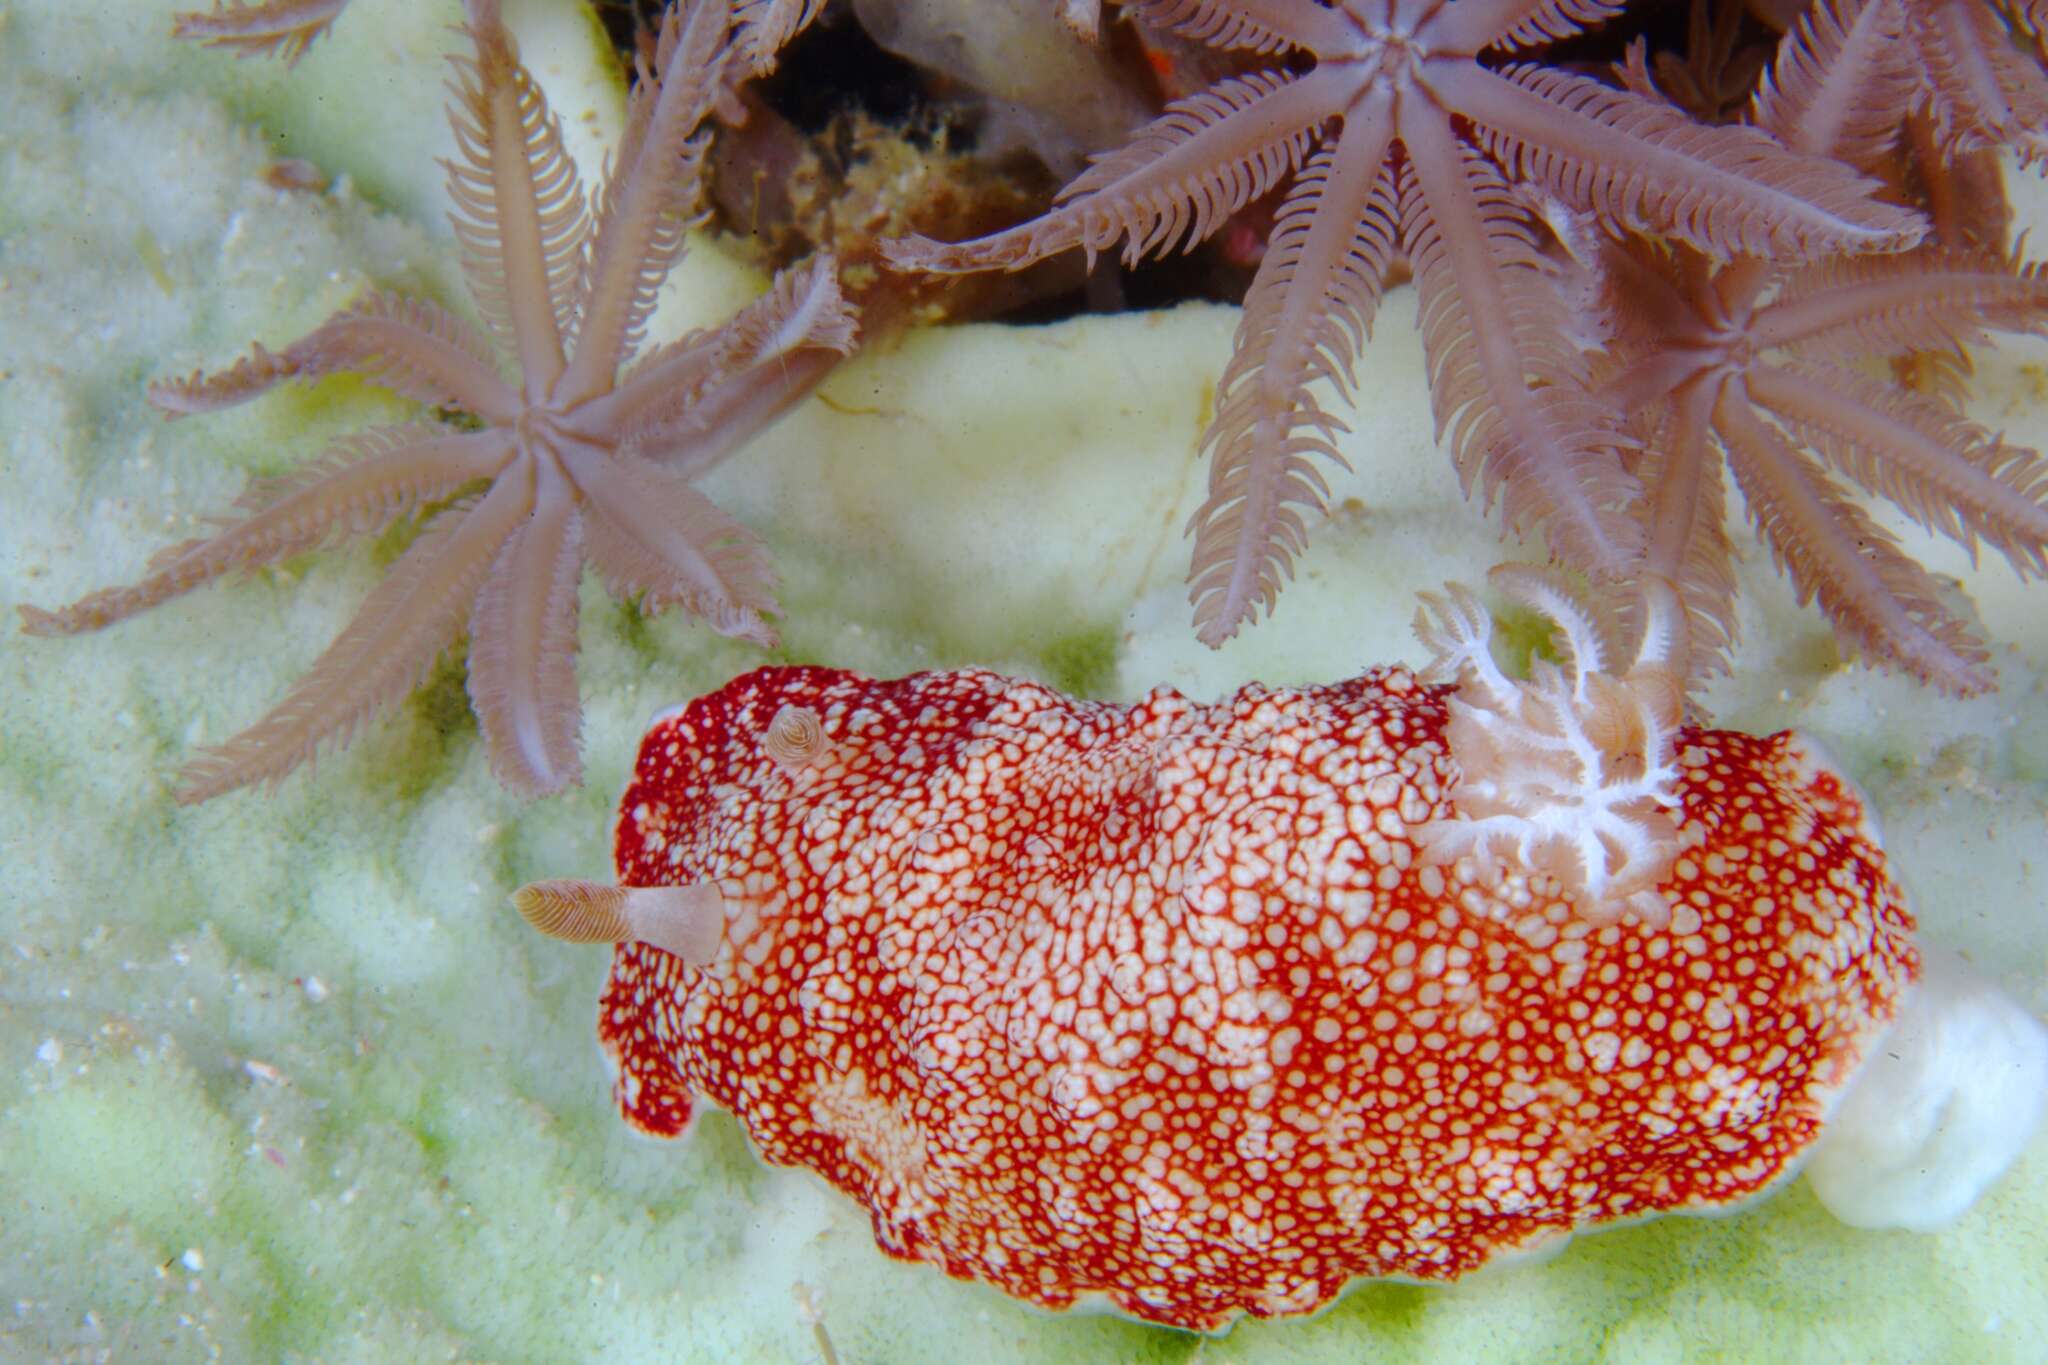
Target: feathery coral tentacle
1836, 85
382, 654
519, 212
764, 27
522, 656
407, 345
649, 532
1249, 25
647, 202
1176, 181
260, 28
1922, 300
250, 377
1305, 320
1640, 162
1471, 25
683, 403
1981, 88
362, 484
1489, 326
1685, 536
1944, 471
414, 348
1877, 598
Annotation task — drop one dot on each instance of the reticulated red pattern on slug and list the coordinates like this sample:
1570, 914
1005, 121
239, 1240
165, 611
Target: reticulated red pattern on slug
1161, 1002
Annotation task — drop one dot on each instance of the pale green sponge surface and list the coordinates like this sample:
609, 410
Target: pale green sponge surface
284, 1076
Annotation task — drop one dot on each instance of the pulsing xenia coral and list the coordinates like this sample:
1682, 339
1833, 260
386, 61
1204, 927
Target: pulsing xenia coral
1977, 69
1754, 362
1398, 128
1413, 130
586, 453
1210, 1009
1557, 213
1974, 67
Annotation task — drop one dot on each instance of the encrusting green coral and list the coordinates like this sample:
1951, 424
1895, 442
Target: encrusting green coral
277, 1081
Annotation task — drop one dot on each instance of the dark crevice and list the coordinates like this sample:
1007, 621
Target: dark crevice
836, 95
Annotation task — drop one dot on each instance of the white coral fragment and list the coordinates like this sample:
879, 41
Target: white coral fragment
1573, 773
1947, 1099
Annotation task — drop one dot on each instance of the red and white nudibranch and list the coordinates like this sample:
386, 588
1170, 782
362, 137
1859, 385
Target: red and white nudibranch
1213, 1009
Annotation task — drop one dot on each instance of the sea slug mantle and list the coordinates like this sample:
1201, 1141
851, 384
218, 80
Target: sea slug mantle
1172, 1003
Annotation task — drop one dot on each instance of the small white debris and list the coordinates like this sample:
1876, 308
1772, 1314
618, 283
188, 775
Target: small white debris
51, 1052
316, 989
193, 1260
